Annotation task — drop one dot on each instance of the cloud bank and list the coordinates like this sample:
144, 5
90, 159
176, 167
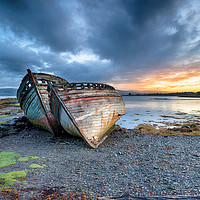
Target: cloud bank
113, 41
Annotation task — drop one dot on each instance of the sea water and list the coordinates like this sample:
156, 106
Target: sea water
159, 110
156, 110
5, 97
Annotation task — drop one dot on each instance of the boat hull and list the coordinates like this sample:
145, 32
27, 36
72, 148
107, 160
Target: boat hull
88, 113
34, 111
34, 101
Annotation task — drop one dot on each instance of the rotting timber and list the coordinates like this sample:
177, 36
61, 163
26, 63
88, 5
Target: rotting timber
88, 110
34, 100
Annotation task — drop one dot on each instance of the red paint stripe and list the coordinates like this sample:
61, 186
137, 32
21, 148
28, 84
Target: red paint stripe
31, 75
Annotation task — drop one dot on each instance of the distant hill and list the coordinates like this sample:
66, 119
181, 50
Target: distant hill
8, 91
124, 92
179, 94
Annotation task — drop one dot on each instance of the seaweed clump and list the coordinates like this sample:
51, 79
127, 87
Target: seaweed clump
180, 129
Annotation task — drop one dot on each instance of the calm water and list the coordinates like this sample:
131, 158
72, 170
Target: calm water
156, 110
159, 110
4, 97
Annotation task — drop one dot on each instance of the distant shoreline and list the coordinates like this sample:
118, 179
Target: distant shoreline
7, 97
164, 95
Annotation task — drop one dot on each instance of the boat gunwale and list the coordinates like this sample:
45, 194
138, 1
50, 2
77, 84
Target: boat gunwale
87, 85
39, 77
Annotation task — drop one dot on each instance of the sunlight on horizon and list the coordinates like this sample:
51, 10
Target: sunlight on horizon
165, 82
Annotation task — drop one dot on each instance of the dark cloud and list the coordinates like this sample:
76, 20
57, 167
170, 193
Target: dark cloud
133, 33
145, 11
134, 36
15, 59
51, 22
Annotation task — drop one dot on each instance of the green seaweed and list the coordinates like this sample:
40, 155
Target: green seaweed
6, 158
4, 116
8, 155
34, 166
3, 122
24, 183
8, 179
34, 157
22, 159
6, 162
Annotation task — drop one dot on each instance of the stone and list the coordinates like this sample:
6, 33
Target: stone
175, 129
185, 129
1, 134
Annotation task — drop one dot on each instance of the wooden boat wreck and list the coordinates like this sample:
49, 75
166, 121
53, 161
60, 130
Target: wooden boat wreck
88, 110
34, 101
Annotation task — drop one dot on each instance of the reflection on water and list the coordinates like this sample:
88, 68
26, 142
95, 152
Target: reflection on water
159, 110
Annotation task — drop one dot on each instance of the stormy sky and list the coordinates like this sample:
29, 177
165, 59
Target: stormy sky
140, 45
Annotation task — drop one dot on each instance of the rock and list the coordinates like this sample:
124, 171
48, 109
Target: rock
4, 130
193, 126
1, 134
195, 154
195, 129
175, 129
185, 126
15, 126
117, 127
155, 167
170, 187
185, 129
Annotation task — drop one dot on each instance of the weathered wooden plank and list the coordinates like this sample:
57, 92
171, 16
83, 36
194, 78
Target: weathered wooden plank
48, 77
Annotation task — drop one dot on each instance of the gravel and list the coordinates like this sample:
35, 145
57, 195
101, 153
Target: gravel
141, 165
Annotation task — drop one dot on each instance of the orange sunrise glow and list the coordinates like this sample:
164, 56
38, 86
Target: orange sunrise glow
166, 81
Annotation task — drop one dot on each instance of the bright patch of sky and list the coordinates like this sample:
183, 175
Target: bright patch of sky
189, 15
83, 57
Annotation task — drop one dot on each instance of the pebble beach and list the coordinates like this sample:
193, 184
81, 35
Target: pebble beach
127, 162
